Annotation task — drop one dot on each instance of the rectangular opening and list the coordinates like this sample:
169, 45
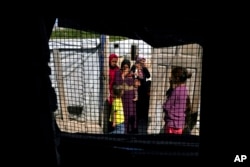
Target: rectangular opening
80, 75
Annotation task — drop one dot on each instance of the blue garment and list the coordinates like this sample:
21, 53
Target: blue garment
119, 129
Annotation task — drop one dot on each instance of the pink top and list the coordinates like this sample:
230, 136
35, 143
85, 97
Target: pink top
175, 107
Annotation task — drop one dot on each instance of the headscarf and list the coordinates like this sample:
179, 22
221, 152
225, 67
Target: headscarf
112, 76
111, 56
140, 57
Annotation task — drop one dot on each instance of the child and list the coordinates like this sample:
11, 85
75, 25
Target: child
176, 103
137, 76
136, 85
117, 113
138, 73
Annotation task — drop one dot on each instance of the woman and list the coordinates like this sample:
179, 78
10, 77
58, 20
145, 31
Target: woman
124, 78
142, 104
113, 67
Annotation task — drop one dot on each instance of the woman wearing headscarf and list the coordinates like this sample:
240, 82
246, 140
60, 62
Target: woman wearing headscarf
142, 104
124, 78
113, 67
113, 59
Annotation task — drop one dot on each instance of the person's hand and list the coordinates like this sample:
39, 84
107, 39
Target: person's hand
132, 74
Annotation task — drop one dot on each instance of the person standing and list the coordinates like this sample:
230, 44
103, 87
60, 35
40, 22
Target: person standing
117, 114
113, 67
176, 103
124, 78
142, 73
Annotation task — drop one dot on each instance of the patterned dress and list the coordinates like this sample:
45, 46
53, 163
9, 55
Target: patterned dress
128, 104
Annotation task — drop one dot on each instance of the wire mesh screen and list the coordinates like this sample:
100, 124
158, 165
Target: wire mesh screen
80, 63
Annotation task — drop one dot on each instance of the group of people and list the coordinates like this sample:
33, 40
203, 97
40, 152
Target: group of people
128, 84
129, 97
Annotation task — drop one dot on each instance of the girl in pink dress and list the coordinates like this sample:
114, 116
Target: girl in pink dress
176, 103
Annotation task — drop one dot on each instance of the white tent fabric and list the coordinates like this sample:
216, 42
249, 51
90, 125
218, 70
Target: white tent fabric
79, 59
76, 75
124, 48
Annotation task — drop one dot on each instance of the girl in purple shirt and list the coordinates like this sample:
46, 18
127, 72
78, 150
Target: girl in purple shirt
176, 103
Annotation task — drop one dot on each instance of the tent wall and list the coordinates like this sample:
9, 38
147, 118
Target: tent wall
78, 83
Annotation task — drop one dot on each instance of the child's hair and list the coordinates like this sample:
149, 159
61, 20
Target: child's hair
117, 90
181, 74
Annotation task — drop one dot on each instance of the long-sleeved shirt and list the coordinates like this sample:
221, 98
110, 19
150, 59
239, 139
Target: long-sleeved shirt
175, 107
